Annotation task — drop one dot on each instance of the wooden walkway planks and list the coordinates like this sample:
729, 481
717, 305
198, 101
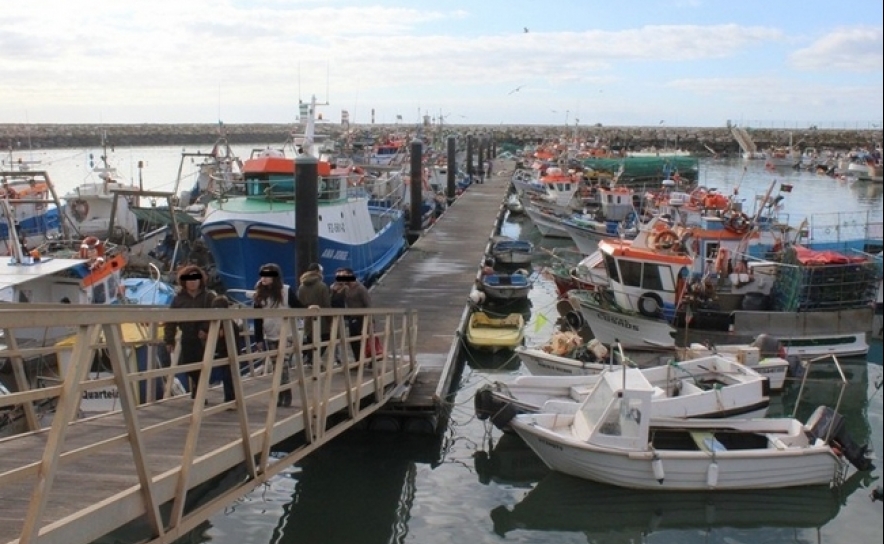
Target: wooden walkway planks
435, 277
90, 486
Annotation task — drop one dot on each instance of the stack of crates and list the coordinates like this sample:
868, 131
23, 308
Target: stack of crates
802, 287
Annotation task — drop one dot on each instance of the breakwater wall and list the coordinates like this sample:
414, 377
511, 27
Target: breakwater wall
697, 140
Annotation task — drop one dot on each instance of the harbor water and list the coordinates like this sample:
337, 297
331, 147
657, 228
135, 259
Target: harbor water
471, 484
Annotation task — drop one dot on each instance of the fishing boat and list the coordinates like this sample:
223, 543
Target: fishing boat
614, 438
712, 387
89, 274
566, 354
505, 287
732, 274
391, 150
244, 232
495, 332
33, 210
511, 252
614, 217
91, 206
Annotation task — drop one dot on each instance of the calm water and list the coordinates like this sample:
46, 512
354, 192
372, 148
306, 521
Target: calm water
472, 485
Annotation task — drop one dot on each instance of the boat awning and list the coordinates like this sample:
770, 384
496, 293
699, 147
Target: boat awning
161, 216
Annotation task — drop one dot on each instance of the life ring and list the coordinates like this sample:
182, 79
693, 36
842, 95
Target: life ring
80, 209
91, 247
738, 223
650, 305
665, 239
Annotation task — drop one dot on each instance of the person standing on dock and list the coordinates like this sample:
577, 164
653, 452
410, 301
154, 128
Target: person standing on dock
314, 294
271, 292
352, 294
192, 293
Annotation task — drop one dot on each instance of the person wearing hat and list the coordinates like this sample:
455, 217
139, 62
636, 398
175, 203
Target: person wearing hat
314, 293
271, 292
192, 293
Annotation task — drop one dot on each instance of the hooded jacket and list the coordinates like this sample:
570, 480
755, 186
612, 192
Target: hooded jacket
313, 291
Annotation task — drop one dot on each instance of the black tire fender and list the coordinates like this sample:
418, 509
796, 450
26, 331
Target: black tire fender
650, 305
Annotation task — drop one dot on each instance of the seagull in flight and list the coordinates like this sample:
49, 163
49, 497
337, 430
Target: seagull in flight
515, 90
526, 30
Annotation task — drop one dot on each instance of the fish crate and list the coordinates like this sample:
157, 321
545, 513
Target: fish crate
823, 281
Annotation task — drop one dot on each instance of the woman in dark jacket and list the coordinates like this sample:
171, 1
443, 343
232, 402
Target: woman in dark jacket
192, 293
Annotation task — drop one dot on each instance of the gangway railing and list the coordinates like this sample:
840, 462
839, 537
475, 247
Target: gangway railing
71, 477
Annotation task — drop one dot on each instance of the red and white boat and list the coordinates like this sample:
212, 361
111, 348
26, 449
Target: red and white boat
731, 274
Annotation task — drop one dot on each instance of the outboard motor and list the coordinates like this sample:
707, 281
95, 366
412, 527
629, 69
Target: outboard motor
826, 423
768, 346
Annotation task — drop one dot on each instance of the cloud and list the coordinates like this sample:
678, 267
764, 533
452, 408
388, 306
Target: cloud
857, 49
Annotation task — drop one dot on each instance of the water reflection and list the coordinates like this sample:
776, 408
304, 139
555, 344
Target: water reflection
610, 514
358, 488
510, 461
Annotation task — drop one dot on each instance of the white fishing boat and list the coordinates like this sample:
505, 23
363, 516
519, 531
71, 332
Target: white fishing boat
712, 387
614, 438
581, 359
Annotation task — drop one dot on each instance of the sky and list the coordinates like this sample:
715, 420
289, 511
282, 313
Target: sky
687, 63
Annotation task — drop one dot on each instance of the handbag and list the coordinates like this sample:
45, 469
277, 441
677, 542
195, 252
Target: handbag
374, 347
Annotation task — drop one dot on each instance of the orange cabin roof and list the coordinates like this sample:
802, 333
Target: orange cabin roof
623, 248
280, 165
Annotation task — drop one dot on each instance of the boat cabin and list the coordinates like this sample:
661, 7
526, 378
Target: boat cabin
271, 175
617, 412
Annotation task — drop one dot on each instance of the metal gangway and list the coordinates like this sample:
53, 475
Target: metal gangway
748, 146
156, 463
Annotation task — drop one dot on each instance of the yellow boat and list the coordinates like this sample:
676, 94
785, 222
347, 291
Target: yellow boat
486, 331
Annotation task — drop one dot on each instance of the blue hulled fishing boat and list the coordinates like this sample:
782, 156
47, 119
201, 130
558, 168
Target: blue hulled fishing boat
245, 232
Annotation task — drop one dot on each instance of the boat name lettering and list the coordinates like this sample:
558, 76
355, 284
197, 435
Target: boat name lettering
620, 322
336, 254
550, 444
335, 227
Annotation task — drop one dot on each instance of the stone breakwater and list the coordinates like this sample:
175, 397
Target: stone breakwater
696, 140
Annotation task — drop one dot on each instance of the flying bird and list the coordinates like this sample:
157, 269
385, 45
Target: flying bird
515, 90
526, 30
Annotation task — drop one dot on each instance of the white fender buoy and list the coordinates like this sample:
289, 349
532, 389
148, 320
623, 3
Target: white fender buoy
712, 475
657, 466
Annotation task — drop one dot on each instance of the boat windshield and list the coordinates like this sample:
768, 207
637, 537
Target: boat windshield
614, 411
282, 186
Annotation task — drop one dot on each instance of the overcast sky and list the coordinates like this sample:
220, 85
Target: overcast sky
672, 62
